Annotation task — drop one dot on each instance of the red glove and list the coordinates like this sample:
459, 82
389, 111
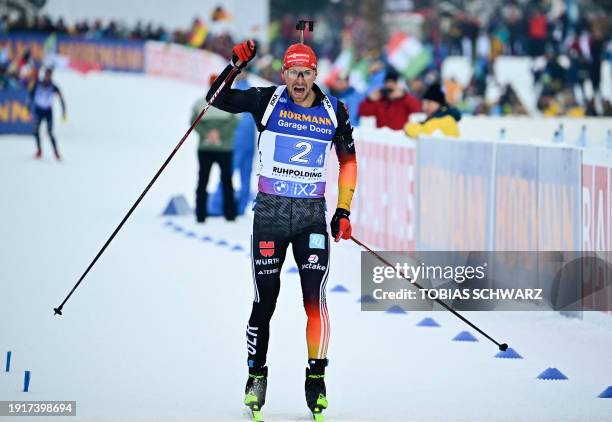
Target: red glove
341, 225
243, 53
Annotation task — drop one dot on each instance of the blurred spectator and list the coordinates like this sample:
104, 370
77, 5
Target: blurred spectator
24, 69
216, 144
441, 118
348, 95
538, 31
391, 105
242, 161
509, 102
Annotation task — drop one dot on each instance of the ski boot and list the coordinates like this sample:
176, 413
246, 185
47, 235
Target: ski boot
255, 390
315, 388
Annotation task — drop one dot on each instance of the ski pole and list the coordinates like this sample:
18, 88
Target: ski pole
501, 346
58, 310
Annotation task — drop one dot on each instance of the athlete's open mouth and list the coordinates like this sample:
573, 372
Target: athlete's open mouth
299, 90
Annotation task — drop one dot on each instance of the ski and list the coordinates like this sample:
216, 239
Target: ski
317, 415
256, 415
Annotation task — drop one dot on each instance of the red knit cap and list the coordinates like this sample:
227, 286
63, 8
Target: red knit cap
299, 55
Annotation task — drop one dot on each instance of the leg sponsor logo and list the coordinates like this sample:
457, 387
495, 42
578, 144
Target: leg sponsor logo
313, 264
316, 241
251, 339
267, 261
268, 272
266, 248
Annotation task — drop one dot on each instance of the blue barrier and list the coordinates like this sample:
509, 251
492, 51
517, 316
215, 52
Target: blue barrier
15, 114
102, 54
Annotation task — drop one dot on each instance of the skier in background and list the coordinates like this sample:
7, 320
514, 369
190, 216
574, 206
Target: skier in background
41, 99
297, 124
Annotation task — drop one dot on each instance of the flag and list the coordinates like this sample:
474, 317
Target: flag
407, 55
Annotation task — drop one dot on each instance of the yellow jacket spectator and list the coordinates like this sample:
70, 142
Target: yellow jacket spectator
441, 118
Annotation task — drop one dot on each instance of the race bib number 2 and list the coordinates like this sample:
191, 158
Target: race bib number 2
300, 152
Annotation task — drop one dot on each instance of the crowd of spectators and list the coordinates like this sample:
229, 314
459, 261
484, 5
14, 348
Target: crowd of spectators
568, 42
212, 34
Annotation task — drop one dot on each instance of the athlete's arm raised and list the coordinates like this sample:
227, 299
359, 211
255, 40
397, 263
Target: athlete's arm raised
252, 100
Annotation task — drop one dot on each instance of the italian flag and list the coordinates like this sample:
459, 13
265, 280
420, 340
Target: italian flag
407, 55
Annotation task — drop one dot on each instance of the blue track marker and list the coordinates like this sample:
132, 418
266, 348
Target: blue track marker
26, 382
428, 322
366, 299
509, 353
465, 336
606, 394
8, 361
552, 374
396, 309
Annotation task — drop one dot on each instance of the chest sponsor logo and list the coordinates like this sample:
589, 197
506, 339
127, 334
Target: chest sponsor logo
281, 187
282, 171
303, 117
274, 99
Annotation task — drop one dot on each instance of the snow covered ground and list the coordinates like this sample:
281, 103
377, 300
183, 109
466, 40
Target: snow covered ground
156, 331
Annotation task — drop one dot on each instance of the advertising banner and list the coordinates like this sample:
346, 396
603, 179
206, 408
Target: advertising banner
14, 112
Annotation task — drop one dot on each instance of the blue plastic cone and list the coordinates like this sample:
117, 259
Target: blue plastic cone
178, 228
177, 206
191, 234
206, 239
606, 394
293, 270
222, 243
464, 336
510, 353
552, 374
428, 322
367, 299
395, 309
168, 223
339, 289
238, 248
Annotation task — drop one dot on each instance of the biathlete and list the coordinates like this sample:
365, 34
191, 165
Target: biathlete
298, 125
